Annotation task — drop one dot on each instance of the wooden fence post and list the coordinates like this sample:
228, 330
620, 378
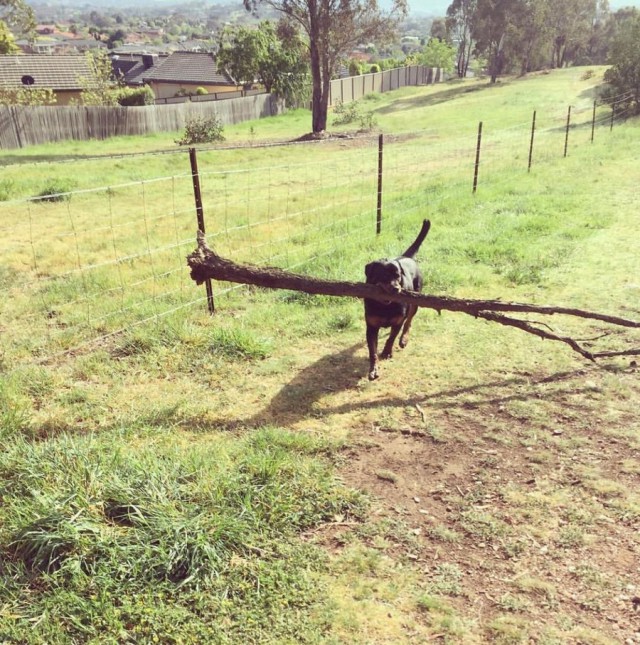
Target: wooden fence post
477, 166
593, 120
200, 215
533, 133
379, 209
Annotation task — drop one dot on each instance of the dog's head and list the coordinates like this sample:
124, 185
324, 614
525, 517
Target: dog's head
386, 275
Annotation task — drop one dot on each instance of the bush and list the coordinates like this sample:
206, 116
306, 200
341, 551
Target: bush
351, 113
344, 114
201, 91
136, 96
374, 69
56, 191
202, 130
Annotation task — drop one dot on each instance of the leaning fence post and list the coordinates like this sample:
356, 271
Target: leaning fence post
379, 209
566, 135
533, 133
613, 114
477, 166
593, 120
200, 215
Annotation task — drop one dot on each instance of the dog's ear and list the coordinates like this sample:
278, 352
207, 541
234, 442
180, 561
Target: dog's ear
369, 269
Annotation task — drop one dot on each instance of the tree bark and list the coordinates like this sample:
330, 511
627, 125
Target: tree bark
205, 264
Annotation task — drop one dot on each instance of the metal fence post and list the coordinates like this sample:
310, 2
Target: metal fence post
566, 136
379, 209
533, 133
593, 120
613, 115
200, 215
477, 166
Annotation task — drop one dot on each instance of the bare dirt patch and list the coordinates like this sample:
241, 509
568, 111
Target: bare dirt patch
535, 507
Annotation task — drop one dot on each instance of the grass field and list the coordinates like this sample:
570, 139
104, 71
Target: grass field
236, 479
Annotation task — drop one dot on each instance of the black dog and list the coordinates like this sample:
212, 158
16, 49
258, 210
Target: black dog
394, 276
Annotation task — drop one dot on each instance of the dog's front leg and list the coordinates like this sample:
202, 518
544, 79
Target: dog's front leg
387, 352
372, 344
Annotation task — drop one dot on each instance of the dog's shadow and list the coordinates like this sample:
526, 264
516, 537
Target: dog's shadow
296, 399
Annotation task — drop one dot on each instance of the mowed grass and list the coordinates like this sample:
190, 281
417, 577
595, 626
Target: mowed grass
236, 479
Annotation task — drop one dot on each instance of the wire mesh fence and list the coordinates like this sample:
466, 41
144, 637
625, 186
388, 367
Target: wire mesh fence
81, 266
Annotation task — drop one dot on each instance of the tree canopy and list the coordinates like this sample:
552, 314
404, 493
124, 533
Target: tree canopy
333, 28
272, 54
523, 35
18, 15
624, 75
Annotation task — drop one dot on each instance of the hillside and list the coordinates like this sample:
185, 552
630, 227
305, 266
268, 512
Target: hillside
174, 477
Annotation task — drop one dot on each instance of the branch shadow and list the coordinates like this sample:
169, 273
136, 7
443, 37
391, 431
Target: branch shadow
297, 399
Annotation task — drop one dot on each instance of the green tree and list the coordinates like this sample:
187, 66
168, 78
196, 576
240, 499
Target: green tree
459, 22
7, 42
333, 28
17, 15
439, 29
623, 77
274, 55
491, 26
100, 86
529, 36
437, 53
571, 23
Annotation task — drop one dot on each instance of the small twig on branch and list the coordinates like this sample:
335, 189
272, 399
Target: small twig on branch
205, 264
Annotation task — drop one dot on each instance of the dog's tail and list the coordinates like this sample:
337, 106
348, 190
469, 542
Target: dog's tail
413, 249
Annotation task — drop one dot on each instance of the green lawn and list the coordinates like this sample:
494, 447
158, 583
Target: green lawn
171, 477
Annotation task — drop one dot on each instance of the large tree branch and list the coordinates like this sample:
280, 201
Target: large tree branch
205, 264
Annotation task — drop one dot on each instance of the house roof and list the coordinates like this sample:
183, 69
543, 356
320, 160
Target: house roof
43, 72
189, 67
131, 68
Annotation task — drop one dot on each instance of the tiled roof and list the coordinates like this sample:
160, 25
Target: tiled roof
131, 68
189, 67
47, 72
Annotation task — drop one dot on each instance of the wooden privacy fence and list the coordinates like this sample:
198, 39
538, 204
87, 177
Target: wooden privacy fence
22, 126
212, 96
352, 88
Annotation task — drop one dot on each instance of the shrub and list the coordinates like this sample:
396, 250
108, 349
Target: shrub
374, 69
345, 114
201, 91
7, 187
354, 68
136, 96
351, 113
202, 130
56, 191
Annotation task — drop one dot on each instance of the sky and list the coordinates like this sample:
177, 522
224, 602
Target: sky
439, 7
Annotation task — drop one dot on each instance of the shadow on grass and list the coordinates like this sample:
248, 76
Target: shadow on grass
437, 97
296, 399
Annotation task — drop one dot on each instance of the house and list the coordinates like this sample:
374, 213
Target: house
59, 44
62, 74
131, 68
182, 73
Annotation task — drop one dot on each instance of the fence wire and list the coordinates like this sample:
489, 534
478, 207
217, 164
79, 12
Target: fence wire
81, 266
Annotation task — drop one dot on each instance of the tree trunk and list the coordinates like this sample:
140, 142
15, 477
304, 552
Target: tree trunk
318, 122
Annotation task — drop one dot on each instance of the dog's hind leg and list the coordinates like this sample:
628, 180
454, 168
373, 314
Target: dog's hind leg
404, 339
